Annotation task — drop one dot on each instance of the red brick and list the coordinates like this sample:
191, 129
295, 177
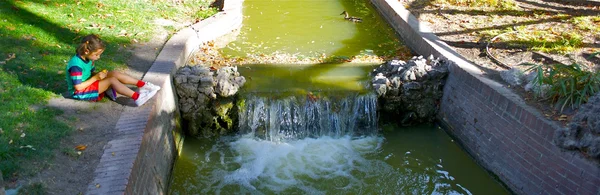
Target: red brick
501, 103
517, 115
550, 187
524, 115
583, 191
525, 174
487, 92
565, 189
579, 163
590, 187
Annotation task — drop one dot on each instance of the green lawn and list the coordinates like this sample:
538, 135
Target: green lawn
37, 38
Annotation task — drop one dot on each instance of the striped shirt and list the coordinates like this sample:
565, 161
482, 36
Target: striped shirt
78, 71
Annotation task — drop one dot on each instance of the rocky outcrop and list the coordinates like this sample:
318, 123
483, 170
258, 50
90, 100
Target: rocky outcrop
583, 132
207, 97
410, 92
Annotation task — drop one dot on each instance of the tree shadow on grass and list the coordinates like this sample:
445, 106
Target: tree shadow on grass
42, 52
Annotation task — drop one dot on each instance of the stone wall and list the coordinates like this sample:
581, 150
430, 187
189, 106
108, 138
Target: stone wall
207, 99
494, 125
410, 92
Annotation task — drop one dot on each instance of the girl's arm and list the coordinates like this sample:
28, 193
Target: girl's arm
78, 83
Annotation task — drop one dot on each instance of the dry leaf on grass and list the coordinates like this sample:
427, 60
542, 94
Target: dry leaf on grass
80, 147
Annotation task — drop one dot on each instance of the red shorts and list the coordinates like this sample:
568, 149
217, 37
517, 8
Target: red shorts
90, 93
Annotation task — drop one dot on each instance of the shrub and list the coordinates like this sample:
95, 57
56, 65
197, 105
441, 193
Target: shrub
569, 84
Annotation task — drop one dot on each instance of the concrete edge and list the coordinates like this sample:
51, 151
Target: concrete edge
124, 166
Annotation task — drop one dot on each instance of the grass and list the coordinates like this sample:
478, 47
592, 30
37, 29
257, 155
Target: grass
37, 38
498, 4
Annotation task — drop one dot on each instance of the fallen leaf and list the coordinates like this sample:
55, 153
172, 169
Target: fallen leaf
28, 146
22, 135
113, 153
80, 147
97, 185
11, 56
10, 142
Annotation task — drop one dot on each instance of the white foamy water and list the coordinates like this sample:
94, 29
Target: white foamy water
312, 166
282, 166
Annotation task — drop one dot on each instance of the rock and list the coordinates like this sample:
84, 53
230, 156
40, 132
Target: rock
206, 113
194, 78
513, 76
207, 82
380, 89
583, 132
408, 91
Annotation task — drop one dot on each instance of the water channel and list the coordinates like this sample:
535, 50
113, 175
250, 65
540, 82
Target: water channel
313, 129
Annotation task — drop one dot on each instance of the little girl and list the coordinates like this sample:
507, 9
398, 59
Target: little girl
86, 84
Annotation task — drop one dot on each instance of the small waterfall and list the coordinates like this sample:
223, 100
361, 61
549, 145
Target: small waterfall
298, 117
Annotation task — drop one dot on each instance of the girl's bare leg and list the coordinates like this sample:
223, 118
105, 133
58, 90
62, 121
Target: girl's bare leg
116, 85
122, 77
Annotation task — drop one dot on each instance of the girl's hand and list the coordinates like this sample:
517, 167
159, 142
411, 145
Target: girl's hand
101, 75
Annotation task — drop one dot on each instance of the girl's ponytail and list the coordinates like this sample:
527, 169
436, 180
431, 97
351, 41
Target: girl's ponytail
90, 43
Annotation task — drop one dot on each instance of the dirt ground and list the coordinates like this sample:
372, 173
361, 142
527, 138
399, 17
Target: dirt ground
461, 27
69, 172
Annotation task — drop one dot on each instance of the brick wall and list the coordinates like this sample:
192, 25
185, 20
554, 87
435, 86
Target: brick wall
494, 125
511, 139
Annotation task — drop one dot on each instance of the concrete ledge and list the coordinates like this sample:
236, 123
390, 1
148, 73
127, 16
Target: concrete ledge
506, 136
140, 159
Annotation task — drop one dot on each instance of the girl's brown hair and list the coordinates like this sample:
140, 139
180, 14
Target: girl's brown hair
90, 43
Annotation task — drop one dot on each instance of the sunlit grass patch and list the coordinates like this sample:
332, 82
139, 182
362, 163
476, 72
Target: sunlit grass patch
555, 38
587, 23
500, 4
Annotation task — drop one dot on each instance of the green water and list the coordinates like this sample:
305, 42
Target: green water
311, 29
416, 160
302, 79
397, 160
